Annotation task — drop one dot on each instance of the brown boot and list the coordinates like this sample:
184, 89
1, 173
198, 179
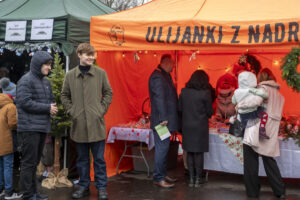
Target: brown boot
164, 184
170, 180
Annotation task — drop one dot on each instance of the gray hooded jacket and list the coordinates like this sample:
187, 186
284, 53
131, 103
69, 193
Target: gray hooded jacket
34, 96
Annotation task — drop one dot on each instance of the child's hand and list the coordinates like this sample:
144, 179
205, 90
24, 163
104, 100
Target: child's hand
252, 90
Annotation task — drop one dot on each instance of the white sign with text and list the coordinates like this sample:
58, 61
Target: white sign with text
42, 29
15, 31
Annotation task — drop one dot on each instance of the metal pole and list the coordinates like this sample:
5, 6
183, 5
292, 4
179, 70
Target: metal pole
176, 68
65, 140
67, 63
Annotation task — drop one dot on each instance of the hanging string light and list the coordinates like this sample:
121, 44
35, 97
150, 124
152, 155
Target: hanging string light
200, 67
227, 69
276, 63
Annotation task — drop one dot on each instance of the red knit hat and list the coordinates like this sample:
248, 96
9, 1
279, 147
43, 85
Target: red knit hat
226, 81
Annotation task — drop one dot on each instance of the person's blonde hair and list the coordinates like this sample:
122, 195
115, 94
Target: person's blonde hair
85, 48
265, 75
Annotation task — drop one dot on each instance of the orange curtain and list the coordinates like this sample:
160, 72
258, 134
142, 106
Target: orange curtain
129, 81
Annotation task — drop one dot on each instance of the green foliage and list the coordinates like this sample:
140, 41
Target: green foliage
289, 69
60, 121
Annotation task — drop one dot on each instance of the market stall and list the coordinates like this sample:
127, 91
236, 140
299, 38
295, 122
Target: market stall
212, 35
27, 26
59, 25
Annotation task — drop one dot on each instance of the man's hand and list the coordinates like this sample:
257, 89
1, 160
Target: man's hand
53, 109
164, 123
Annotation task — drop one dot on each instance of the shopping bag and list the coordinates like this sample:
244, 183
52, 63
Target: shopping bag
236, 129
251, 135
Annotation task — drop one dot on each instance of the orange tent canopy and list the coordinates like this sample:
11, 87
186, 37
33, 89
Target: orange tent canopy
211, 34
191, 24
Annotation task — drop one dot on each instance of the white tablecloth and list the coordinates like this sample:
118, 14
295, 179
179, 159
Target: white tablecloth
131, 134
220, 158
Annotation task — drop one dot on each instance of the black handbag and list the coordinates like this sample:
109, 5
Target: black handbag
236, 129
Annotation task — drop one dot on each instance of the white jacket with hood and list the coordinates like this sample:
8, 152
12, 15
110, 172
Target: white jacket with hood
247, 92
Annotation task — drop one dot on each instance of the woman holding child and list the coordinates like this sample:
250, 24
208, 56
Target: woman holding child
268, 147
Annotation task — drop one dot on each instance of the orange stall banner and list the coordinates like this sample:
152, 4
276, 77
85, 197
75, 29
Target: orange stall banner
193, 24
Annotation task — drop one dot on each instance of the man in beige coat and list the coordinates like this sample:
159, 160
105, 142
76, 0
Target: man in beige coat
86, 95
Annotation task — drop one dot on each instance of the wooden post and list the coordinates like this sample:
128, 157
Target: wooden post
56, 156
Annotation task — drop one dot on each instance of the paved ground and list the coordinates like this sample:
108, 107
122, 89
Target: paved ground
220, 186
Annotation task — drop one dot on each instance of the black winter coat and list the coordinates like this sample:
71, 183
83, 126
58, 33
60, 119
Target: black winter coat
34, 96
196, 108
164, 100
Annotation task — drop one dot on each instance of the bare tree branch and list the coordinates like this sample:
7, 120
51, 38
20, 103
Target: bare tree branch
123, 4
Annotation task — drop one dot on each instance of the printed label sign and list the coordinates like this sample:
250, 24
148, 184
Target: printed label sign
15, 31
42, 29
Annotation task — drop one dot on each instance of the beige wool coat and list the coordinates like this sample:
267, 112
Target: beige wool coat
274, 108
86, 99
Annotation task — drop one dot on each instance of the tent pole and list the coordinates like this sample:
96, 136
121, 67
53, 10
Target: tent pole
67, 63
65, 140
176, 68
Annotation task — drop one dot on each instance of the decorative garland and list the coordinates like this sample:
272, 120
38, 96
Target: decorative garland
250, 63
290, 128
19, 48
289, 69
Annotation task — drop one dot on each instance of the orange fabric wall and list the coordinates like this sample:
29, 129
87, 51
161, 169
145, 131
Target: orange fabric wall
129, 81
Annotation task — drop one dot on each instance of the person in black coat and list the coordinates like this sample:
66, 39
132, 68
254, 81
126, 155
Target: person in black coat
35, 104
164, 111
195, 107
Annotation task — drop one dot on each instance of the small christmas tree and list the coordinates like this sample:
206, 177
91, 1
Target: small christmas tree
61, 121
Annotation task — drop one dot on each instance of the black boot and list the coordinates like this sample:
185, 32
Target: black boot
81, 192
192, 177
102, 194
199, 179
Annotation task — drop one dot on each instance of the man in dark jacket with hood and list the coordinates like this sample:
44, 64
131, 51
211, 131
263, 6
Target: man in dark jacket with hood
35, 104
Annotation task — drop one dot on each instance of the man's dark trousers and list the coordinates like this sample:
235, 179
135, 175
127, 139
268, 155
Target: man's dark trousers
32, 148
160, 157
83, 164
